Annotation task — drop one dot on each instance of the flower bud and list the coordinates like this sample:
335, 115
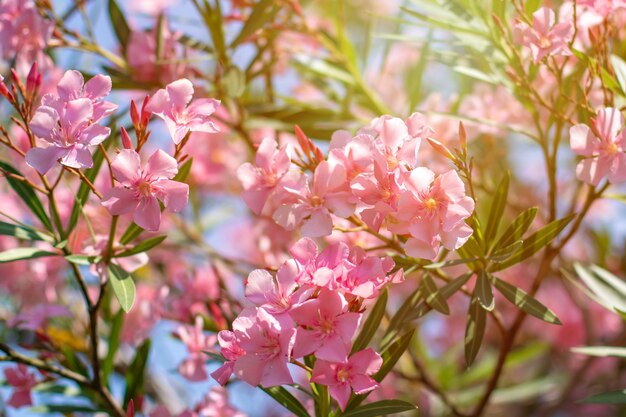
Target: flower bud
126, 141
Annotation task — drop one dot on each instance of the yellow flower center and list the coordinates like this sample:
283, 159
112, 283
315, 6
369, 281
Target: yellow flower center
343, 375
431, 204
145, 189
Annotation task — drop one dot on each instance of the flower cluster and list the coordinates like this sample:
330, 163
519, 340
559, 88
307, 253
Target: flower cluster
68, 122
545, 37
312, 307
372, 178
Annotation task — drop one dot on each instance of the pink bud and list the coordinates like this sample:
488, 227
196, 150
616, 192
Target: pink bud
126, 141
134, 115
130, 411
145, 114
31, 80
440, 148
4, 90
303, 140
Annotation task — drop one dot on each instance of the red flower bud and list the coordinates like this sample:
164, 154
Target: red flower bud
126, 141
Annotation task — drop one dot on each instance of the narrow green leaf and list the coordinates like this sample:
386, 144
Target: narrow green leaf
183, 171
123, 286
23, 232
502, 254
399, 319
608, 288
475, 330
525, 302
234, 82
263, 12
18, 254
119, 24
142, 246
452, 262
372, 324
619, 66
614, 397
135, 375
27, 195
498, 204
498, 7
517, 229
130, 234
83, 259
114, 343
64, 409
534, 243
446, 292
601, 351
284, 398
380, 408
483, 291
433, 297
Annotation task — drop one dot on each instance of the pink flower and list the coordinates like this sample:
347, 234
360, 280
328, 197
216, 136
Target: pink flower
22, 382
142, 188
69, 131
545, 37
193, 368
602, 145
170, 104
271, 170
432, 211
36, 317
326, 328
127, 263
267, 343
274, 295
231, 351
72, 86
216, 404
350, 375
328, 193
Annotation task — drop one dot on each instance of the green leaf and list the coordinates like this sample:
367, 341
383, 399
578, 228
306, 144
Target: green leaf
498, 205
23, 232
234, 82
135, 374
619, 66
609, 80
323, 68
434, 298
534, 243
123, 286
18, 254
119, 23
446, 292
452, 262
142, 246
83, 259
475, 330
483, 291
263, 12
502, 254
372, 323
284, 398
183, 171
531, 6
525, 302
614, 397
498, 7
517, 229
27, 195
65, 408
114, 343
399, 319
380, 408
609, 289
130, 234
601, 351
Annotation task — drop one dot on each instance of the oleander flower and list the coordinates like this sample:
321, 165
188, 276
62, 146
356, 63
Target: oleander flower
546, 37
142, 188
603, 145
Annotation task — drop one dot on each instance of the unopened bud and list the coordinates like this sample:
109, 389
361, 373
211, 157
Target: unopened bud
4, 90
303, 140
145, 114
126, 141
134, 115
31, 79
441, 148
463, 138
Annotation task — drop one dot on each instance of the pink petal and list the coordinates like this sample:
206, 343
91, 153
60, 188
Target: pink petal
70, 85
44, 121
159, 102
223, 373
366, 361
609, 122
77, 112
42, 159
250, 368
174, 194
341, 393
78, 156
260, 283
362, 384
120, 200
98, 86
318, 225
276, 373
180, 93
161, 166
582, 140
148, 214
94, 135
126, 167
591, 170
618, 168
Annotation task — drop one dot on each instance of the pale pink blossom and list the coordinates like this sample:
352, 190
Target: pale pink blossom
271, 170
267, 343
172, 104
276, 295
433, 211
602, 146
327, 327
327, 193
69, 132
216, 404
142, 188
22, 381
193, 366
231, 351
546, 37
351, 375
72, 86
